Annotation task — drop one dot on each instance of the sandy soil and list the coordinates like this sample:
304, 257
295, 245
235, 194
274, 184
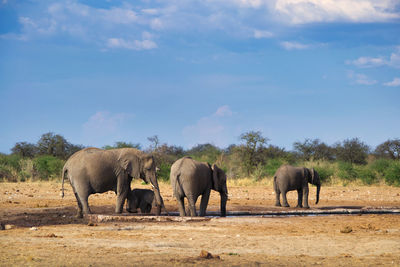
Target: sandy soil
41, 230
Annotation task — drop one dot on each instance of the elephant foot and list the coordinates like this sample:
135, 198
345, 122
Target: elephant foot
79, 216
306, 207
286, 205
278, 205
299, 206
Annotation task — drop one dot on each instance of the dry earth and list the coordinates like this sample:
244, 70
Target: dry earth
41, 230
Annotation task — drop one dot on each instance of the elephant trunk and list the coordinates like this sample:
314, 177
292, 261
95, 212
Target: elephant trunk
157, 195
318, 189
224, 199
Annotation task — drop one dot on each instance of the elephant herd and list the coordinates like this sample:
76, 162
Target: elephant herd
94, 170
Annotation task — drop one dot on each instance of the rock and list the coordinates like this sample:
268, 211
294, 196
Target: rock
8, 226
207, 255
346, 230
33, 228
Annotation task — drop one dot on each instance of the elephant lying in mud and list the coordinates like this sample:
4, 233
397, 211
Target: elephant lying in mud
94, 170
190, 178
140, 198
288, 178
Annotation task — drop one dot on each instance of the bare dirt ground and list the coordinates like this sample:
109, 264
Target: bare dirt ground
41, 230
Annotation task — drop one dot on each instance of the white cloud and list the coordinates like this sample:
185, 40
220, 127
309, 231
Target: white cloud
223, 111
394, 83
216, 129
361, 79
294, 45
103, 126
367, 62
133, 45
311, 11
258, 34
370, 62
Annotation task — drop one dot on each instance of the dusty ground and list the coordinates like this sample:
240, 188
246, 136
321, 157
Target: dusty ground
45, 232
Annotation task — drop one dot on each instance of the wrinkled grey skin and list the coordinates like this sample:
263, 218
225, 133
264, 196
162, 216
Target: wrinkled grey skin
94, 170
190, 179
140, 198
288, 178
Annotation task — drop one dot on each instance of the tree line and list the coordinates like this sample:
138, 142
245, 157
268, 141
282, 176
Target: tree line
253, 157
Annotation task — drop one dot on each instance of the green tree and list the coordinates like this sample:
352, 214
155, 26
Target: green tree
121, 144
389, 149
352, 151
313, 149
254, 142
205, 152
24, 149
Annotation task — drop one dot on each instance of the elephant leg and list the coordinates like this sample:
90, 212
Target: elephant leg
85, 205
79, 214
284, 200
120, 201
181, 206
123, 188
305, 197
204, 202
192, 206
82, 196
299, 198
277, 198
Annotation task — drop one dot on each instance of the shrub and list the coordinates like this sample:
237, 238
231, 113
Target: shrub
392, 174
366, 174
347, 171
380, 166
258, 172
48, 167
325, 172
272, 165
164, 172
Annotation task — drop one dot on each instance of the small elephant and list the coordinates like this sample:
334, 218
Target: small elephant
93, 170
288, 178
190, 178
140, 198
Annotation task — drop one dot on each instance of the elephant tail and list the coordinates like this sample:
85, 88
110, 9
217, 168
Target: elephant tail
64, 173
275, 186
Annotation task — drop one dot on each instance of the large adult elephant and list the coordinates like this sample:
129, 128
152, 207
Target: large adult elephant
190, 178
288, 178
93, 170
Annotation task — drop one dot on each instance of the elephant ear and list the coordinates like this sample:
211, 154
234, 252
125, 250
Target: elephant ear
130, 163
148, 163
215, 173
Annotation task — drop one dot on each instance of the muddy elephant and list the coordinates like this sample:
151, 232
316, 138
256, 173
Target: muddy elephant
94, 170
190, 178
288, 178
140, 198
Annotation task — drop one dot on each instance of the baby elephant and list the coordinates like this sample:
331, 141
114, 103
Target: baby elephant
288, 178
140, 198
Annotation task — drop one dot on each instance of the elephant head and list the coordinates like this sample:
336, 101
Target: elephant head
141, 165
219, 185
315, 180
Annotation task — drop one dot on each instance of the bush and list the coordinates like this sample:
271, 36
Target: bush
380, 166
347, 171
392, 174
366, 174
325, 172
164, 172
273, 165
48, 167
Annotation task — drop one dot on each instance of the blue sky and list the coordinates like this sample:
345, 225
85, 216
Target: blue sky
194, 72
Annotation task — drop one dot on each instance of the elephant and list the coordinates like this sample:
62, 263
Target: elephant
288, 178
190, 178
93, 170
141, 198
